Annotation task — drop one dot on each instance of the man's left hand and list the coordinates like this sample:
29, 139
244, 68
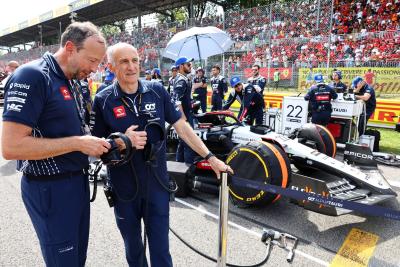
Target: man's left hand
219, 166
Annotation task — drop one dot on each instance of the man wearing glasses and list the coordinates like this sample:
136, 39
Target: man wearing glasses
257, 80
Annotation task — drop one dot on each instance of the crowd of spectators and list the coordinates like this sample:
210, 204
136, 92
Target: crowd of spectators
364, 32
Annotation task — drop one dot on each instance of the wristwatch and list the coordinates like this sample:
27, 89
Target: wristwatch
209, 155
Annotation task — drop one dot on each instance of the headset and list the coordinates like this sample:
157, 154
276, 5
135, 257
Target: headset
114, 157
151, 151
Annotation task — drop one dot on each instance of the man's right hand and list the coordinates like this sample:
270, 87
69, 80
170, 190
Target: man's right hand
93, 146
138, 138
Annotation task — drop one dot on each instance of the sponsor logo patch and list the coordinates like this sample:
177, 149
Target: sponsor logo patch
119, 112
65, 93
20, 85
17, 93
322, 97
14, 107
16, 99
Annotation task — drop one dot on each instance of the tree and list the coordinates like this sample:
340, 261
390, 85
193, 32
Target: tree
110, 30
200, 10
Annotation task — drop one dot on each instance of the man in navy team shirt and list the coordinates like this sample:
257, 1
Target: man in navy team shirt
139, 189
363, 91
44, 129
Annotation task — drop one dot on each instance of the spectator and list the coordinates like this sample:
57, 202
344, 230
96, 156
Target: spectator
10, 68
369, 77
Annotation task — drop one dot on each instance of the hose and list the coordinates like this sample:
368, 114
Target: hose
268, 244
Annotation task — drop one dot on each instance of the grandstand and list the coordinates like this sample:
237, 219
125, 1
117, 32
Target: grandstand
320, 33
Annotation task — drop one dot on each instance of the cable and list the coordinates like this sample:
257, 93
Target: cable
268, 244
136, 180
95, 173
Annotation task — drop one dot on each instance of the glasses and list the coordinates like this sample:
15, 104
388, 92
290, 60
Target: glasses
188, 64
254, 69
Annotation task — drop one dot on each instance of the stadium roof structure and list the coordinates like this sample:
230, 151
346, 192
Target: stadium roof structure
100, 12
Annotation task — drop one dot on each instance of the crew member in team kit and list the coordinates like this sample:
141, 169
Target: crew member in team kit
200, 88
257, 80
320, 96
140, 187
337, 83
365, 92
251, 102
171, 80
219, 88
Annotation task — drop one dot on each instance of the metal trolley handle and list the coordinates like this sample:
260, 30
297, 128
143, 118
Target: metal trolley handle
223, 220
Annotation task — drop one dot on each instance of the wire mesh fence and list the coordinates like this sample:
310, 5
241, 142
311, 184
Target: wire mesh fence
289, 37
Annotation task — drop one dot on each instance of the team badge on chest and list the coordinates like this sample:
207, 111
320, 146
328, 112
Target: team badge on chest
65, 93
119, 112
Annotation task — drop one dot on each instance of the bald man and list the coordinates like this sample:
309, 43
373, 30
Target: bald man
10, 68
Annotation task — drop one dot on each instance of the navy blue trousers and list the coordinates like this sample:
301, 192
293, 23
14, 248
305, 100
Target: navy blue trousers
256, 115
60, 213
321, 118
154, 209
202, 97
216, 102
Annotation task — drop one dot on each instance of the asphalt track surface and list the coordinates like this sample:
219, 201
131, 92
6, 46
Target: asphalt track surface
320, 236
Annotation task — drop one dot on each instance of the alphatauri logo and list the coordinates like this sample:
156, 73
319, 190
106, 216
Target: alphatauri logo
150, 106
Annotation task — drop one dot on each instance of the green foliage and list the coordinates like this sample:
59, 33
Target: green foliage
200, 10
390, 140
109, 30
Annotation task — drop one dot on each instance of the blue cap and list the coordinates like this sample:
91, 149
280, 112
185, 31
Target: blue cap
109, 75
235, 80
319, 78
339, 74
157, 70
355, 81
147, 72
182, 60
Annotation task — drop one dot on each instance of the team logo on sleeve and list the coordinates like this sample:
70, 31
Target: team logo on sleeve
65, 93
119, 112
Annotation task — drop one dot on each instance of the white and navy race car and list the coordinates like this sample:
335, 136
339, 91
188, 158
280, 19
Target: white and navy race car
304, 160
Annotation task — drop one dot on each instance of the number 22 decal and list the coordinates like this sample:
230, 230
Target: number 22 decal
293, 108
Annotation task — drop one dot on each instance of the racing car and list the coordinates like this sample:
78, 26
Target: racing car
304, 160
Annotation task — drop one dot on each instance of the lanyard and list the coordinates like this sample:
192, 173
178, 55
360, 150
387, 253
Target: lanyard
79, 103
134, 110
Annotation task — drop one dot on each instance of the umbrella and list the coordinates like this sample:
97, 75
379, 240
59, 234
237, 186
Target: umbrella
198, 43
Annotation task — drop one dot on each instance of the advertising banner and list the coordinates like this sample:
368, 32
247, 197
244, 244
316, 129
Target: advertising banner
385, 81
285, 73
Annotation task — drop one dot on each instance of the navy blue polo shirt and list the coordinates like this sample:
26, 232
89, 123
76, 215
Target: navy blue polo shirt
39, 96
110, 113
259, 80
201, 91
182, 95
370, 105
